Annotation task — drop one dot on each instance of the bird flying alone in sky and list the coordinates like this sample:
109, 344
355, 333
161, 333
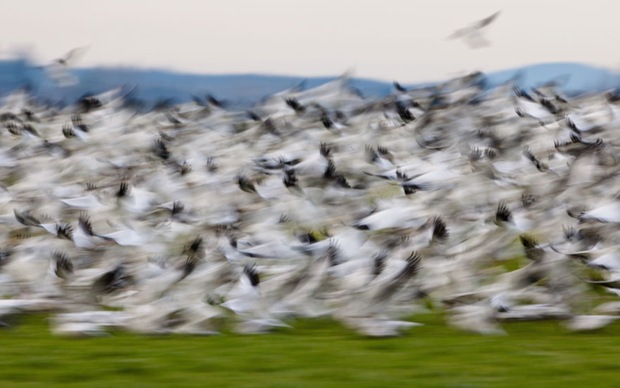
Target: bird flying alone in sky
59, 69
472, 35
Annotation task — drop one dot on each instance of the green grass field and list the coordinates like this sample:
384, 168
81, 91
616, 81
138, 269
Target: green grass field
313, 354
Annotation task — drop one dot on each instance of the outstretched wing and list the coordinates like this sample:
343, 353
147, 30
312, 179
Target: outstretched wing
488, 20
72, 56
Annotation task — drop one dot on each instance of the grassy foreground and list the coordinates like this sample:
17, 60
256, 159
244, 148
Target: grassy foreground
314, 353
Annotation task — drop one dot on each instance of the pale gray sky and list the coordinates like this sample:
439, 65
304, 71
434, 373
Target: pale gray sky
383, 39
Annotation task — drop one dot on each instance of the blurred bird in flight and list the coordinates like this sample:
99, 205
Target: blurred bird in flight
58, 70
472, 34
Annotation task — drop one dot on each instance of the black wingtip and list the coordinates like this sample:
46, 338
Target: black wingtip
245, 184
295, 105
379, 262
528, 241
251, 272
123, 190
503, 213
330, 170
290, 179
64, 231
64, 266
399, 87
440, 231
160, 149
194, 247
333, 253
211, 164
253, 116
325, 150
85, 224
413, 263
177, 208
527, 199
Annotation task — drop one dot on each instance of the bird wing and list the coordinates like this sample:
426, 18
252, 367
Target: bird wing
486, 21
72, 56
471, 30
461, 32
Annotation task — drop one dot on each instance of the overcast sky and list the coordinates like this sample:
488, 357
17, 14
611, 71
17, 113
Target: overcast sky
384, 39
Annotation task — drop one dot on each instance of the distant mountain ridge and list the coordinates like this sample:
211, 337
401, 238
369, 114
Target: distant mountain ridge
246, 89
572, 77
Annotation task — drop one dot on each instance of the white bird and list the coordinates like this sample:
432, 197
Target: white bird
59, 69
589, 322
472, 34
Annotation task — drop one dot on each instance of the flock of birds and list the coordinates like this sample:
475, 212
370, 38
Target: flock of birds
491, 205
